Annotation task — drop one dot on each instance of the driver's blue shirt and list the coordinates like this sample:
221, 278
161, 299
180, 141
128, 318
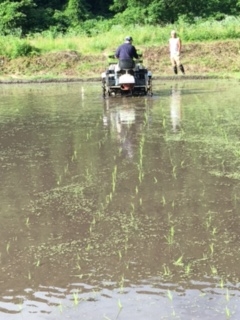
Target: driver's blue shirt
126, 51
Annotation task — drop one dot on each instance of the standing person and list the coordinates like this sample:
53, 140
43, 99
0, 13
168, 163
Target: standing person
125, 53
175, 47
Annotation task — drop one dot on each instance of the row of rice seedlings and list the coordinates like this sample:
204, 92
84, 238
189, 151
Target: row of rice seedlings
114, 178
212, 230
214, 270
140, 160
99, 214
187, 268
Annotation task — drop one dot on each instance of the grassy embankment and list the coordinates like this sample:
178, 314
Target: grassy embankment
209, 48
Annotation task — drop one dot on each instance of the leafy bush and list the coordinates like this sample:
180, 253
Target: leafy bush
22, 49
15, 48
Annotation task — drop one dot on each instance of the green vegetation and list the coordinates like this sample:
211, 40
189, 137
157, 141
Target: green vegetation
52, 55
93, 16
35, 28
148, 35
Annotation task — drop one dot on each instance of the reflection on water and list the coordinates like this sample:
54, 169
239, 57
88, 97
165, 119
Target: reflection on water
125, 120
175, 107
106, 214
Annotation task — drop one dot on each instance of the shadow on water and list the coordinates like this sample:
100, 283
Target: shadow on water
120, 208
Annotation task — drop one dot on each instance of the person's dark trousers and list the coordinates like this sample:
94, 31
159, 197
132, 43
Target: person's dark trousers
126, 64
182, 68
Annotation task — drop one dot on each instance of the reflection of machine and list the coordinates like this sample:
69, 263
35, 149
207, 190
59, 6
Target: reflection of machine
175, 108
125, 121
127, 116
131, 79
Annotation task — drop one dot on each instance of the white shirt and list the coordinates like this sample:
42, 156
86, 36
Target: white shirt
174, 46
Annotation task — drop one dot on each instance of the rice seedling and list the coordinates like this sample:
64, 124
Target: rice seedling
108, 198
188, 269
126, 244
211, 246
214, 231
227, 313
120, 254
75, 298
66, 168
133, 208
37, 263
136, 190
120, 150
20, 306
227, 296
73, 158
121, 284
27, 222
78, 267
174, 172
179, 262
89, 247
93, 221
163, 201
8, 247
208, 220
221, 283
140, 176
60, 307
88, 176
166, 271
59, 180
90, 229
169, 295
170, 236
114, 178
170, 221
173, 312
214, 270
120, 307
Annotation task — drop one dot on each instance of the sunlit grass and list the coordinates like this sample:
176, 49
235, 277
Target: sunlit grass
148, 35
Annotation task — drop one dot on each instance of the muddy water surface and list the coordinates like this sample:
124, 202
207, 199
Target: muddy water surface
121, 208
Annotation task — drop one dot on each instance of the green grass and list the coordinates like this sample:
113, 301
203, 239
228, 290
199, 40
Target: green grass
108, 40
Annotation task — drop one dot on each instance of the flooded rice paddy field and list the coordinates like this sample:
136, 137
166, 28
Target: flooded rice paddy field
120, 208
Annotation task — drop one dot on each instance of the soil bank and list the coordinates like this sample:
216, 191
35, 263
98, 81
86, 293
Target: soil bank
201, 60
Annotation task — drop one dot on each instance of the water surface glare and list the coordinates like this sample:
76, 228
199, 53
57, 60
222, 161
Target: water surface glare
120, 208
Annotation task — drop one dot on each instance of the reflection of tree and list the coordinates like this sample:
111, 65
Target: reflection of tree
175, 107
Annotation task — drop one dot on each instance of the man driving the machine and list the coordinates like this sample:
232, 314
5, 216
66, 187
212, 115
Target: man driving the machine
125, 53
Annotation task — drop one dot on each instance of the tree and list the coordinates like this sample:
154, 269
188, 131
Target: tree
76, 11
99, 7
13, 16
165, 11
